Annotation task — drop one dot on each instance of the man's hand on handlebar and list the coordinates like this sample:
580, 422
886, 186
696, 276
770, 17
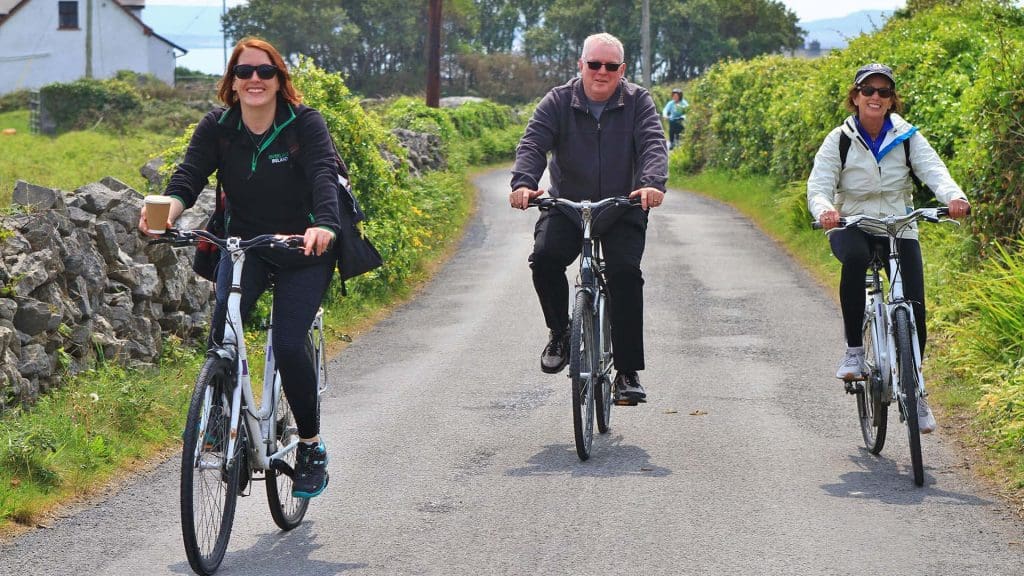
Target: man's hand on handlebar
649, 197
520, 197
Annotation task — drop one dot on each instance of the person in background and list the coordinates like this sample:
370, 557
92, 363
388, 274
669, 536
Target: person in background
605, 140
675, 112
270, 189
876, 179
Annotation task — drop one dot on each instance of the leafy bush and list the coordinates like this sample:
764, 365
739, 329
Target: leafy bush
17, 100
86, 102
959, 71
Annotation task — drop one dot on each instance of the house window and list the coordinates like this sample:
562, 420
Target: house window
68, 15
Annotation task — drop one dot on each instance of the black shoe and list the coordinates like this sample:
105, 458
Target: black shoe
556, 354
310, 470
628, 391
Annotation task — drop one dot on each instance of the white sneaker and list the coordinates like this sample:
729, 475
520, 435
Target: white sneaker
852, 366
925, 419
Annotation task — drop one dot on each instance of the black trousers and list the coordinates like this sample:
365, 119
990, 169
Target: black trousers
298, 292
557, 243
854, 248
675, 130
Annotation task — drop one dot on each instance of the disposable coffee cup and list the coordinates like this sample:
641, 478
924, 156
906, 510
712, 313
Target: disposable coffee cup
158, 209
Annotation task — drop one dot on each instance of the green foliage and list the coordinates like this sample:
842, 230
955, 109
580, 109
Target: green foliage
86, 102
17, 100
413, 114
959, 71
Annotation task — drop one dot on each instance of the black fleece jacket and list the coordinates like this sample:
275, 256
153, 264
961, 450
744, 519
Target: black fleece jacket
591, 159
269, 190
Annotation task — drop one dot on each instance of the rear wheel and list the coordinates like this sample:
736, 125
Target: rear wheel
871, 407
209, 483
908, 390
603, 399
581, 371
287, 510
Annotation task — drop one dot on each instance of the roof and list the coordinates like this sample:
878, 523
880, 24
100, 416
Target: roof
8, 7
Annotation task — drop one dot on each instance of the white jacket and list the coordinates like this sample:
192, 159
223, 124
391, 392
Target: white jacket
876, 188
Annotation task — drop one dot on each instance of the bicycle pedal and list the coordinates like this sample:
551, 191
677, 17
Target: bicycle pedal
283, 467
625, 402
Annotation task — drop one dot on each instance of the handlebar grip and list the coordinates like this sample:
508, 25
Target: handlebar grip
816, 225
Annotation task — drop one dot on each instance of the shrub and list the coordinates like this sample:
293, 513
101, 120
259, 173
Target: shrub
87, 102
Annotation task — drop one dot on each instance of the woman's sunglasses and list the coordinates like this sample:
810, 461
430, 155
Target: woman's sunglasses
264, 71
609, 66
869, 91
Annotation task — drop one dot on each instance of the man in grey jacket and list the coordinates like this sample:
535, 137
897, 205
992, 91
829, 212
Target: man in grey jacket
605, 139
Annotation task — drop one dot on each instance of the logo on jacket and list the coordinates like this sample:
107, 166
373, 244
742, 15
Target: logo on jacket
278, 157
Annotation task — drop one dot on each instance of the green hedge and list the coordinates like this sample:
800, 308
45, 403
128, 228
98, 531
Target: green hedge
86, 102
958, 70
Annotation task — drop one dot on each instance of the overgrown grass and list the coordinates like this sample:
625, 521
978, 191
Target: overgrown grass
70, 160
974, 362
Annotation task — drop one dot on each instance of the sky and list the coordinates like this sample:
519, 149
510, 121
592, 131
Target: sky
805, 9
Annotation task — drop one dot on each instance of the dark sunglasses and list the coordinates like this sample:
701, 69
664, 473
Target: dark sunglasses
609, 66
869, 91
264, 71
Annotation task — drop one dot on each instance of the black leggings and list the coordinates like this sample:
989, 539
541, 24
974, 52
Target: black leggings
854, 248
557, 243
298, 292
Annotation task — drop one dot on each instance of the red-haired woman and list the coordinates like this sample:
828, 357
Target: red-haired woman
271, 189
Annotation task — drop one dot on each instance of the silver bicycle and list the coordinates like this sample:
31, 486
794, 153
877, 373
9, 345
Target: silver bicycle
230, 439
892, 354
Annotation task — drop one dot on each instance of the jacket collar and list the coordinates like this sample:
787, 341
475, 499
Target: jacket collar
231, 118
579, 96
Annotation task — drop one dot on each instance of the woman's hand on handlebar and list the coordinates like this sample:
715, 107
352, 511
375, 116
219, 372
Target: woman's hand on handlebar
520, 197
958, 208
316, 241
649, 197
829, 219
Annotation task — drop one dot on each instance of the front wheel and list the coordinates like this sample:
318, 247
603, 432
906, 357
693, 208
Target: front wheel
872, 408
908, 390
209, 483
581, 371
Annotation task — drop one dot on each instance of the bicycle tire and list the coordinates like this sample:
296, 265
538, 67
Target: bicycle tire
908, 389
603, 400
872, 410
287, 510
321, 360
581, 364
208, 494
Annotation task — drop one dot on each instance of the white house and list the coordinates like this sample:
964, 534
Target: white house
46, 41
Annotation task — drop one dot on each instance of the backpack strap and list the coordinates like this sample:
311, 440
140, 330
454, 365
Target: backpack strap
844, 149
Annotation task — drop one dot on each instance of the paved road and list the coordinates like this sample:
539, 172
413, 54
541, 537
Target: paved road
452, 454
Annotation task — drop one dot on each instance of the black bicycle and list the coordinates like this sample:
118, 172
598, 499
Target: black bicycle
590, 341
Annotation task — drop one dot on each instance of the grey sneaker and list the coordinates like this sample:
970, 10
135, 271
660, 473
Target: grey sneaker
628, 391
925, 419
852, 366
556, 354
311, 476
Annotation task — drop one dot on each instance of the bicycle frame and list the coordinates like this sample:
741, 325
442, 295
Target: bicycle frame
233, 348
591, 280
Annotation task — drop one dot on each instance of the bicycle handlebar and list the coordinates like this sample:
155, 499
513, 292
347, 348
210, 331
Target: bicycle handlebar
547, 202
933, 215
181, 238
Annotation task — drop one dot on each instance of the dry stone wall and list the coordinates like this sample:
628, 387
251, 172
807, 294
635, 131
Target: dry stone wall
78, 283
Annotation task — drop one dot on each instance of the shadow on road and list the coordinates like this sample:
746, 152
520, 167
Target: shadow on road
609, 457
279, 552
879, 478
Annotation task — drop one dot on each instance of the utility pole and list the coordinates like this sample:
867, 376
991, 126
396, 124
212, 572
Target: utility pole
434, 55
645, 42
223, 34
88, 39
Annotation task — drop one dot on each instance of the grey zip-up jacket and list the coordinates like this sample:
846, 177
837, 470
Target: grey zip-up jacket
591, 159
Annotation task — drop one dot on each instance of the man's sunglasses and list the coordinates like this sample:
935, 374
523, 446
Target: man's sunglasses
609, 66
264, 71
869, 91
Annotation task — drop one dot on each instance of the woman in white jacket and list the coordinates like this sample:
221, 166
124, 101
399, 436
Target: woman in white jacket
875, 178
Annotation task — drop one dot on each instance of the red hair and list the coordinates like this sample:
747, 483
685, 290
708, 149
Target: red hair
287, 89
